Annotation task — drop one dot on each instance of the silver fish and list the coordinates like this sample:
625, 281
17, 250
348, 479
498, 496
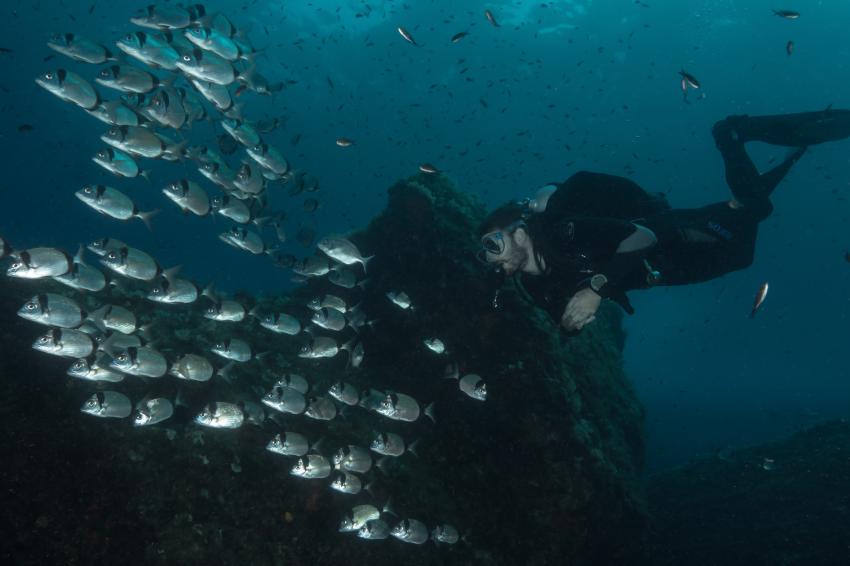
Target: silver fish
388, 444
132, 263
142, 361
217, 95
343, 251
116, 341
189, 196
233, 349
474, 386
192, 367
70, 87
269, 157
400, 299
328, 301
241, 131
329, 319
113, 203
53, 310
321, 409
280, 323
135, 140
311, 466
320, 347
115, 113
289, 444
65, 342
125, 78
150, 48
108, 404
359, 515
172, 291
375, 529
346, 482
244, 239
103, 246
446, 534
285, 400
410, 530
117, 318
353, 458
344, 278
344, 393
166, 108
313, 266
119, 163
294, 381
166, 16
36, 263
401, 407
231, 208
153, 411
91, 370
82, 277
248, 180
79, 48
221, 415
435, 345
211, 39
207, 66
225, 311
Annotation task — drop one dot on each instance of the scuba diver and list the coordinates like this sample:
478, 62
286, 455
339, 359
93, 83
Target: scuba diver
598, 236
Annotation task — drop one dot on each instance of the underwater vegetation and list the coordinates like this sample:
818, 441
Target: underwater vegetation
545, 470
781, 503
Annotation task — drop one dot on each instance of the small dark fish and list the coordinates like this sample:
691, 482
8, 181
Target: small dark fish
5, 50
227, 144
306, 235
458, 36
428, 168
789, 47
344, 142
91, 10
688, 80
760, 296
491, 18
48, 57
295, 139
847, 257
787, 14
310, 205
24, 128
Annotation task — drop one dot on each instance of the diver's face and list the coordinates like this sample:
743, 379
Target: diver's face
506, 249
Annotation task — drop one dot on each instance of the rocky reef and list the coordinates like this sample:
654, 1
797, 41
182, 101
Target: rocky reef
544, 471
781, 503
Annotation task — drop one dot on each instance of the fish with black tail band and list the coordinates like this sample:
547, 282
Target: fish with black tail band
113, 203
80, 48
221, 415
140, 361
343, 251
311, 466
70, 87
94, 369
152, 49
52, 309
108, 404
285, 400
153, 411
411, 531
119, 163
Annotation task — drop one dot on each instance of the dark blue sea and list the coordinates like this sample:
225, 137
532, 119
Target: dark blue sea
543, 90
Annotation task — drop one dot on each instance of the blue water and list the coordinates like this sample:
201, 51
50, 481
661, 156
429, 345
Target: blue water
559, 87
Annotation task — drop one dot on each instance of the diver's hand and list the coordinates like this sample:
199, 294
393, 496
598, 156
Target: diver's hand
581, 309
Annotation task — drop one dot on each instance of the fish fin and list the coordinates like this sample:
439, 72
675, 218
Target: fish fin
262, 355
382, 463
315, 447
362, 283
272, 250
96, 317
209, 292
144, 331
412, 447
451, 371
108, 345
225, 372
171, 273
146, 217
78, 257
370, 487
364, 261
146, 174
180, 397
388, 507
255, 311
429, 411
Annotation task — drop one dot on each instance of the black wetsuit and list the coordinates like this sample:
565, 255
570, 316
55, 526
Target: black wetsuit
590, 214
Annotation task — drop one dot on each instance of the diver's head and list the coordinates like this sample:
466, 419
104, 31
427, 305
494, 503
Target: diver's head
505, 241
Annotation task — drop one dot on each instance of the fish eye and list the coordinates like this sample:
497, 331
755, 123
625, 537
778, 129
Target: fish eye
78, 365
128, 37
31, 306
112, 255
121, 357
113, 131
104, 73
88, 190
101, 154
44, 339
48, 76
187, 58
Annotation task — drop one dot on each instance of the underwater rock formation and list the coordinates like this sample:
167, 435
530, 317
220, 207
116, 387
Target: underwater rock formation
542, 472
781, 503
